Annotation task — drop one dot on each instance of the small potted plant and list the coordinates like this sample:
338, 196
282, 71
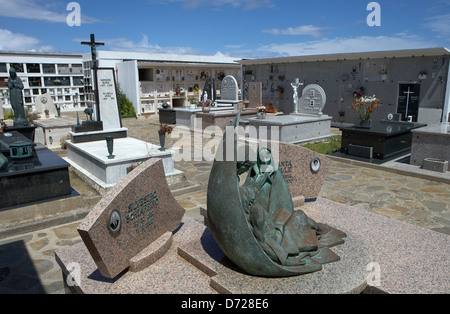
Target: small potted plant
179, 91
192, 102
206, 105
271, 108
260, 112
163, 130
422, 75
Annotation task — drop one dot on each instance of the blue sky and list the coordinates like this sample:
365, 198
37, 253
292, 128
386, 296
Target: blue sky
237, 28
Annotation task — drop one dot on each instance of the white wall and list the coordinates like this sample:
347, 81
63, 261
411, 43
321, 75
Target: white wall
446, 110
128, 77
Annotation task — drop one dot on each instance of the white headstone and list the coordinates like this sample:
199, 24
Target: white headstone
2, 116
107, 95
43, 103
229, 90
313, 100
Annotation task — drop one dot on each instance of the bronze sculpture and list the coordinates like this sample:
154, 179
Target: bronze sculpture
15, 86
252, 218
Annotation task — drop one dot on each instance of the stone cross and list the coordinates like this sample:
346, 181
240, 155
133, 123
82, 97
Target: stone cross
93, 46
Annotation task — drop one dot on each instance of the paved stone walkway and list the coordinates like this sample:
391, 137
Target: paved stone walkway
27, 263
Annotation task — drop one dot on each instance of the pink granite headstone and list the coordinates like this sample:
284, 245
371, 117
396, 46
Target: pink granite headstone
304, 170
139, 210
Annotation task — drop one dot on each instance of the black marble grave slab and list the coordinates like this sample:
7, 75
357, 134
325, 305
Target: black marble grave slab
9, 138
167, 116
27, 131
385, 137
88, 126
42, 177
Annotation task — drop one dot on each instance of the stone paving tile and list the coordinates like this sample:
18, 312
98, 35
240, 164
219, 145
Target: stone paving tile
27, 263
416, 201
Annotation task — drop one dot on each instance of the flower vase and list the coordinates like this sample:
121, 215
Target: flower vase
206, 109
363, 124
260, 115
110, 146
162, 141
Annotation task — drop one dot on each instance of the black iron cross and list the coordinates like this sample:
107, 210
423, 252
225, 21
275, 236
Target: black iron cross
93, 46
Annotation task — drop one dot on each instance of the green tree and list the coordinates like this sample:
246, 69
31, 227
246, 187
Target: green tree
125, 105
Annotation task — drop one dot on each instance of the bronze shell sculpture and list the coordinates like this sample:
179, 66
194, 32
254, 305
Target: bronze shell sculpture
252, 217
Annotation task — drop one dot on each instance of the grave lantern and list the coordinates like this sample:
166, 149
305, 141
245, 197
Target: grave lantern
21, 150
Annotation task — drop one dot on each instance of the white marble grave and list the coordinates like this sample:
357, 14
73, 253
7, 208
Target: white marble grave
90, 160
292, 128
309, 124
87, 152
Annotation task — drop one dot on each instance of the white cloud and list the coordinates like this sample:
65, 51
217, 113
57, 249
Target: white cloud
439, 24
244, 4
311, 30
124, 44
33, 10
337, 45
20, 42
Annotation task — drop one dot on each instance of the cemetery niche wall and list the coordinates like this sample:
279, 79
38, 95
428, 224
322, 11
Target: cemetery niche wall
385, 74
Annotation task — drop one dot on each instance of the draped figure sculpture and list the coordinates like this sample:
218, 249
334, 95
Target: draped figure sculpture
252, 218
15, 87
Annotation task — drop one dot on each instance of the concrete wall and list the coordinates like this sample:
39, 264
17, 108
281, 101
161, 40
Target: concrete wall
340, 78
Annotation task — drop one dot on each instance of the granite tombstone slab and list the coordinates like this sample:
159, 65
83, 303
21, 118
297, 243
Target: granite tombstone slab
254, 94
431, 142
135, 213
304, 170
